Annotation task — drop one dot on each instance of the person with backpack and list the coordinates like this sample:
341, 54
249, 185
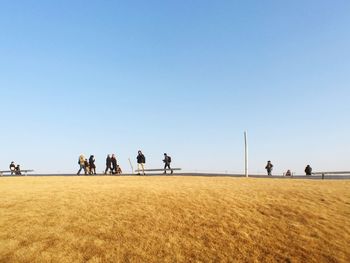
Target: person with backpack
269, 167
92, 164
167, 161
81, 162
308, 170
141, 160
108, 164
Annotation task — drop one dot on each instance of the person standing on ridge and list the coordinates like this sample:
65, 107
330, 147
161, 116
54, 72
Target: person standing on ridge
269, 167
141, 160
114, 164
81, 162
167, 161
308, 170
87, 167
108, 164
92, 164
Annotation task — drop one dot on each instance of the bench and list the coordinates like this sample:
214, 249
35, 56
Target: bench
157, 170
331, 173
23, 172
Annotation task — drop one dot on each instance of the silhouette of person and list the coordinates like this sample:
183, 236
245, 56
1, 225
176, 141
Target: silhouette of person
269, 167
167, 161
81, 162
141, 160
308, 170
108, 164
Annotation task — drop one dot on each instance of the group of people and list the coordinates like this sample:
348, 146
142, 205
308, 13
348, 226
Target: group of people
112, 167
141, 160
269, 167
88, 166
15, 169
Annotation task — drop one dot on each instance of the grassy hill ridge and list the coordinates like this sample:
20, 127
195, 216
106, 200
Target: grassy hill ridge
167, 219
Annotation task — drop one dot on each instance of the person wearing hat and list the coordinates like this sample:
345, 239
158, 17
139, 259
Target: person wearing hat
167, 161
269, 167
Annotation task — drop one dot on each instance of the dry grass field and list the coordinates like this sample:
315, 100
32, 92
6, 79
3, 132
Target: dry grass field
173, 219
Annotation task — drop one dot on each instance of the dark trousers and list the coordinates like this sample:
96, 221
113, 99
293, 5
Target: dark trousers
81, 168
92, 169
167, 165
108, 167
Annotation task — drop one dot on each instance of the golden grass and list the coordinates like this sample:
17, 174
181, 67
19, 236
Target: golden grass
173, 219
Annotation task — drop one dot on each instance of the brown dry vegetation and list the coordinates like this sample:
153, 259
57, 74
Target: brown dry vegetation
173, 219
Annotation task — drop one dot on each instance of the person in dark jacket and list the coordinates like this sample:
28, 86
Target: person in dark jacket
167, 161
308, 170
92, 164
288, 173
141, 160
18, 170
108, 164
114, 164
269, 167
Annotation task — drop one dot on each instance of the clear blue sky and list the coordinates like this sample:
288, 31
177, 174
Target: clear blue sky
183, 77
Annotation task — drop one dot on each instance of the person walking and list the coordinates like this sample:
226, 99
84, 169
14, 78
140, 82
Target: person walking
167, 161
308, 170
108, 164
269, 167
141, 160
114, 164
87, 167
92, 164
81, 162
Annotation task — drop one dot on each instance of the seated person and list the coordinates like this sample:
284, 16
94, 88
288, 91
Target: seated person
12, 168
18, 170
119, 170
288, 173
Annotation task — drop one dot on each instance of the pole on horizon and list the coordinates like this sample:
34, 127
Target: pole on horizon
132, 168
245, 155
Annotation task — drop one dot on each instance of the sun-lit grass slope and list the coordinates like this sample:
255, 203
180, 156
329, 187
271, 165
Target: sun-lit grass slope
173, 219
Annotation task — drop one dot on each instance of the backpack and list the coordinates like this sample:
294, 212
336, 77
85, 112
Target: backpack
169, 159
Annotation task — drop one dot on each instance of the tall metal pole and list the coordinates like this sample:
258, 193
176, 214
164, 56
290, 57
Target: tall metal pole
132, 168
245, 154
